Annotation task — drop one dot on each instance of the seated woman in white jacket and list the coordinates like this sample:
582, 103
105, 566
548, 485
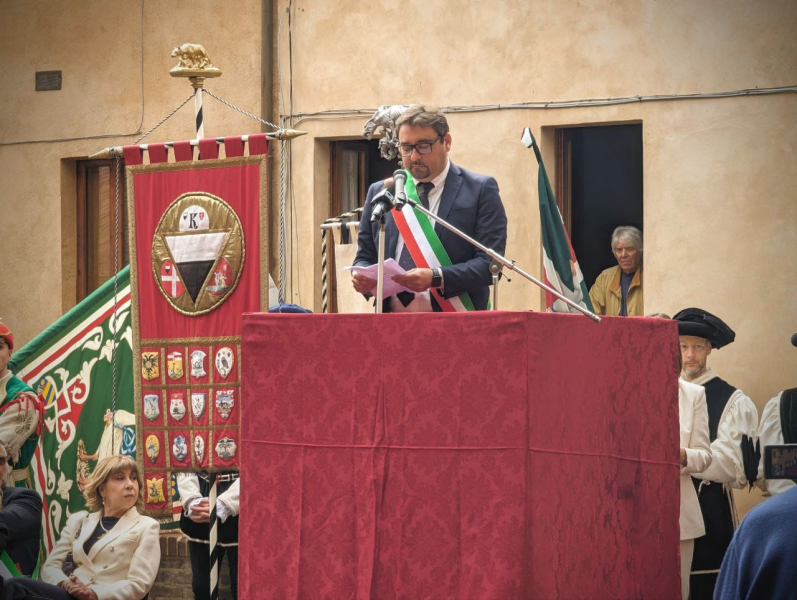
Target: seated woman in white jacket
695, 458
110, 551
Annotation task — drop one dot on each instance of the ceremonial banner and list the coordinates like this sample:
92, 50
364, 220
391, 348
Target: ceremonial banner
69, 365
198, 253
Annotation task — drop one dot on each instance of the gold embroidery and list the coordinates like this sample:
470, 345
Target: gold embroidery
198, 253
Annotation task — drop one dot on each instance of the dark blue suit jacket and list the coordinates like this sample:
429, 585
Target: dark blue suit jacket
22, 514
471, 203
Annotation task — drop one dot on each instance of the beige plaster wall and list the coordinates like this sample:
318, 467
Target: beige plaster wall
98, 46
719, 207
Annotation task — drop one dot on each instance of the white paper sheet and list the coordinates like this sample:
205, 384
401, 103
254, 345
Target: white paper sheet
391, 268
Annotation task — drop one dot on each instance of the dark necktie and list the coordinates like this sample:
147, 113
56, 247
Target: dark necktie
405, 260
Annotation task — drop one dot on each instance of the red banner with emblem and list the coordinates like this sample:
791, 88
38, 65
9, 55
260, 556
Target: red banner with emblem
198, 254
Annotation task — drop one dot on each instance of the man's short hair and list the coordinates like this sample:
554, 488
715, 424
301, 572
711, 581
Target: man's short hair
627, 234
418, 115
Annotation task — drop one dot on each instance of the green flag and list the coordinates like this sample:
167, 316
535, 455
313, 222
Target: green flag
70, 366
559, 260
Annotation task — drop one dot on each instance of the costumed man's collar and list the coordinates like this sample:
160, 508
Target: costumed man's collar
440, 180
704, 378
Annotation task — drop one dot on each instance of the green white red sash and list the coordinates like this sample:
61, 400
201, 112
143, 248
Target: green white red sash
425, 247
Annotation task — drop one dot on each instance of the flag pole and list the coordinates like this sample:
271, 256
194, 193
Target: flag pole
195, 64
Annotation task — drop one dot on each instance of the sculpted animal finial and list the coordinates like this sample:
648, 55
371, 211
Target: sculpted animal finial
385, 118
191, 56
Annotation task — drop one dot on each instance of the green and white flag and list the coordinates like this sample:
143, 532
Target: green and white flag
70, 366
559, 260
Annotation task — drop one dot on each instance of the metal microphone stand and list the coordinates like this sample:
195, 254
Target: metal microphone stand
380, 269
497, 258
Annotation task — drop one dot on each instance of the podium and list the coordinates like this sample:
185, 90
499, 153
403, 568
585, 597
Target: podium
483, 455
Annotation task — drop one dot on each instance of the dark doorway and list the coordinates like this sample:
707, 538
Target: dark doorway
355, 165
599, 186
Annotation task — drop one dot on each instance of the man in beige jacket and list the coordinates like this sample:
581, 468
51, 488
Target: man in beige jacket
618, 290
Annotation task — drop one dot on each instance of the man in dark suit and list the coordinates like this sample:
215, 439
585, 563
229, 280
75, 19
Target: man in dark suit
467, 200
22, 514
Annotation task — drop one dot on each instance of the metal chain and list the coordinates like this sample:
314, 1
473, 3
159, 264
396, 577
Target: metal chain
240, 110
115, 321
281, 288
169, 116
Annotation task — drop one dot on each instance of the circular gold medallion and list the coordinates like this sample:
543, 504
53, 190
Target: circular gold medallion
198, 253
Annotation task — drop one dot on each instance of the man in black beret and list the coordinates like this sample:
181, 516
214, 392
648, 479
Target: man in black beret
733, 427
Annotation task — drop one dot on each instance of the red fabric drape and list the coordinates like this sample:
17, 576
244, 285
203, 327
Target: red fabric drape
258, 144
489, 455
133, 155
158, 153
233, 146
208, 148
183, 151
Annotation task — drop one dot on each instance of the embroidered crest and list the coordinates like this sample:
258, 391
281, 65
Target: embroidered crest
198, 402
153, 446
225, 448
179, 448
174, 363
224, 361
177, 406
47, 391
198, 363
199, 448
152, 409
150, 368
222, 278
155, 490
225, 400
170, 280
197, 252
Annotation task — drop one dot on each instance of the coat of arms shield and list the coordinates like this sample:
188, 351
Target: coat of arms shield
198, 402
177, 407
152, 409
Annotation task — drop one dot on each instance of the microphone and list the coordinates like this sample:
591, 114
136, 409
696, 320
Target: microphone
794, 340
383, 201
400, 177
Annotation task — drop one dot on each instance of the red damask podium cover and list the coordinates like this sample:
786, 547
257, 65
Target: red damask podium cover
198, 254
488, 455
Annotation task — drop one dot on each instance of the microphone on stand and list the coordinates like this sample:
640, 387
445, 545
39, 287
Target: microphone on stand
400, 178
383, 201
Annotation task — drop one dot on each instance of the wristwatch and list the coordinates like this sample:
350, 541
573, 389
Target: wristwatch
437, 277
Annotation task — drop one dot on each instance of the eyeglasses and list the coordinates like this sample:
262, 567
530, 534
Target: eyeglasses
421, 147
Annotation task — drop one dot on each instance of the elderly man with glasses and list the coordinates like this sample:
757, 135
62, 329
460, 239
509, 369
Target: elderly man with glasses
618, 290
470, 202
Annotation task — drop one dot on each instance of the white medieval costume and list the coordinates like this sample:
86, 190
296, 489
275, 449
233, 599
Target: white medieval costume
733, 430
778, 426
693, 419
193, 489
20, 411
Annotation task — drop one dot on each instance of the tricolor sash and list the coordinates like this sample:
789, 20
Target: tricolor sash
425, 247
